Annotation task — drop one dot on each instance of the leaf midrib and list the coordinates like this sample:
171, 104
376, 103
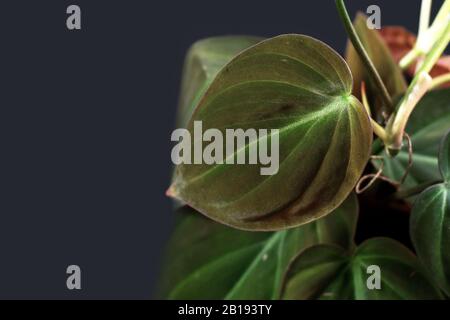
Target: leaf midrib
210, 263
269, 244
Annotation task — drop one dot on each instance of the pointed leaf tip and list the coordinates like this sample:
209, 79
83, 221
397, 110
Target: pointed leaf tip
171, 192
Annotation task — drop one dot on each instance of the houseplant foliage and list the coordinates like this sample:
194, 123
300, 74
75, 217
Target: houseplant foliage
243, 265
303, 88
349, 130
430, 220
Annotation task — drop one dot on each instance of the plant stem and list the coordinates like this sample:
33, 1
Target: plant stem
438, 81
436, 52
421, 83
377, 129
425, 12
441, 20
403, 194
427, 38
357, 44
409, 58
396, 125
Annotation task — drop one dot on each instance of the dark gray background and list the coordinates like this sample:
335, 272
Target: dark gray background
85, 127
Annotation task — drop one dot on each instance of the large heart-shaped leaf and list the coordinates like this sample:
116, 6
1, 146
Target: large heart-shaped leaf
330, 272
301, 87
430, 224
207, 260
379, 53
427, 125
203, 61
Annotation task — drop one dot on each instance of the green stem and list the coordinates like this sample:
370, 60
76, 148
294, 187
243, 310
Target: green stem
427, 38
409, 58
377, 129
357, 44
439, 81
421, 83
436, 52
395, 128
425, 13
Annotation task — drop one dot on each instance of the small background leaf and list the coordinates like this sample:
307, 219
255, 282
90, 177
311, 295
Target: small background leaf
203, 61
207, 260
379, 53
329, 272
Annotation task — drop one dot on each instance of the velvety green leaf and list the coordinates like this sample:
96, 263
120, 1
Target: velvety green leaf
429, 122
204, 60
444, 157
207, 260
430, 232
302, 87
430, 224
379, 53
330, 272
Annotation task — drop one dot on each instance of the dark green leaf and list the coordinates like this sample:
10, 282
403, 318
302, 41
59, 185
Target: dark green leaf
379, 53
429, 122
430, 224
203, 61
207, 260
330, 272
302, 87
444, 157
430, 232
